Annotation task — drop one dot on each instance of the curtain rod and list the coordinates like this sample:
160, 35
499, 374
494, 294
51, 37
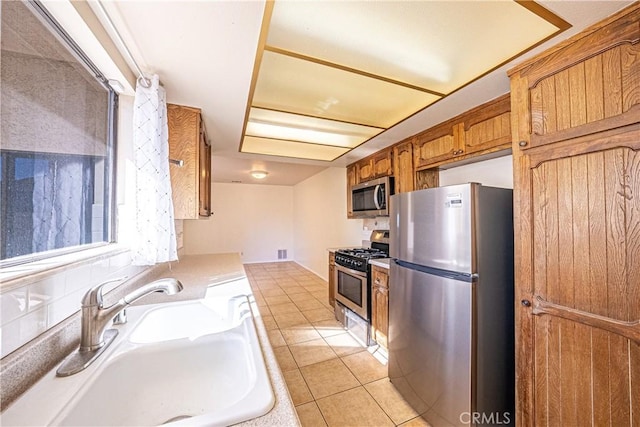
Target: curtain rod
142, 79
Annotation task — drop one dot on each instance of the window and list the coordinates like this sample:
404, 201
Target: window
57, 129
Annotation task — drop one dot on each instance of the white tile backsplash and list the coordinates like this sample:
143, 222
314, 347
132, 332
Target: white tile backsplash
31, 309
14, 304
46, 291
9, 337
64, 307
22, 330
33, 324
78, 278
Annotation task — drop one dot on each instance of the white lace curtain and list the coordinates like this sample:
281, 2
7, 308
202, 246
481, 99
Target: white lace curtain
155, 239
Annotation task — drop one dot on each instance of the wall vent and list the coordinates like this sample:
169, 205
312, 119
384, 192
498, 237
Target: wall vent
282, 254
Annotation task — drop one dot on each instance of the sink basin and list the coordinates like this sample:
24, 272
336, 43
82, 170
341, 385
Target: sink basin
190, 320
183, 363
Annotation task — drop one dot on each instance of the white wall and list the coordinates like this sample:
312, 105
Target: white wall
255, 220
320, 219
495, 173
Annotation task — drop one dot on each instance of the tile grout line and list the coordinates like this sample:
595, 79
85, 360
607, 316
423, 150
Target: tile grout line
324, 339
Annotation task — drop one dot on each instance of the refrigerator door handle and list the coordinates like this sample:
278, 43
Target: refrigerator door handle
463, 277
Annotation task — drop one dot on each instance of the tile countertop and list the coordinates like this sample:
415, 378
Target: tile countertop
380, 262
200, 274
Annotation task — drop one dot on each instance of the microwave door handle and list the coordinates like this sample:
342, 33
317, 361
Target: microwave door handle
376, 195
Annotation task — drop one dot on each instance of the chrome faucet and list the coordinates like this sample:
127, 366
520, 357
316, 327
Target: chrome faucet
94, 335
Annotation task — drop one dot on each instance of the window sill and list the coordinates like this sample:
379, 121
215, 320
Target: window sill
19, 275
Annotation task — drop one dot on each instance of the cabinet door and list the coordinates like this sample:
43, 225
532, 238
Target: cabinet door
383, 163
380, 305
487, 128
437, 145
204, 175
365, 170
184, 137
577, 230
590, 86
403, 167
351, 181
380, 315
332, 279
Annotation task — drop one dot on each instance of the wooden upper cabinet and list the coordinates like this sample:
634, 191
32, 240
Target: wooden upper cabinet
365, 170
576, 153
436, 145
383, 163
482, 130
376, 166
589, 86
403, 167
204, 193
487, 127
191, 182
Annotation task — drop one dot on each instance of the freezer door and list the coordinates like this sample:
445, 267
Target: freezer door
433, 227
430, 346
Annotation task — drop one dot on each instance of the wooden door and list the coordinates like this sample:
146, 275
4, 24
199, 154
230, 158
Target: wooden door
585, 288
380, 306
487, 128
204, 175
403, 167
184, 136
577, 231
332, 281
383, 163
436, 145
365, 170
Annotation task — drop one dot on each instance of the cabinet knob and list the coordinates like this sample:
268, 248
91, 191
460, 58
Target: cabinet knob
522, 143
177, 162
526, 303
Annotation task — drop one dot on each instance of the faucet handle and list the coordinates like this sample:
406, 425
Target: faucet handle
93, 297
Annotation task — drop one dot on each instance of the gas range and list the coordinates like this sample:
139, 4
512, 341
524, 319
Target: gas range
358, 258
353, 284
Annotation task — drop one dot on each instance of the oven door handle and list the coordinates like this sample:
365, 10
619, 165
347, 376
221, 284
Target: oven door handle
376, 196
350, 271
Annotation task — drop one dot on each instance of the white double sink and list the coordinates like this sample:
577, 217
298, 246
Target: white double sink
183, 363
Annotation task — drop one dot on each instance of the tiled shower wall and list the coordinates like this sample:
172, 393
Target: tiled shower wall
33, 304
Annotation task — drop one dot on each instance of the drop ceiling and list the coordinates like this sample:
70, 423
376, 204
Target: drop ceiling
270, 74
373, 64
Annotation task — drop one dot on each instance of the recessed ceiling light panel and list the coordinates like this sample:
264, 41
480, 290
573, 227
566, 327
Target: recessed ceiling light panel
359, 68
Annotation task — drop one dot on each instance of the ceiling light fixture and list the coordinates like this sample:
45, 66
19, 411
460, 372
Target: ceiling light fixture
259, 174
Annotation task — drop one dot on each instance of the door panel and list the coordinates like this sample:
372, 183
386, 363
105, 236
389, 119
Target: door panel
566, 368
570, 241
599, 93
586, 252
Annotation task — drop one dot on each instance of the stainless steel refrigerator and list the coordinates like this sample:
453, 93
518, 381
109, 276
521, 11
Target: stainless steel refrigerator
451, 307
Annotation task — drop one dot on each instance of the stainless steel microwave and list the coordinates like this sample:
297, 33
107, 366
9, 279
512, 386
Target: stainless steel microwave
371, 198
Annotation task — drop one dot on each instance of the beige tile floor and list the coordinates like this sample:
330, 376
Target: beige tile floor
332, 379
